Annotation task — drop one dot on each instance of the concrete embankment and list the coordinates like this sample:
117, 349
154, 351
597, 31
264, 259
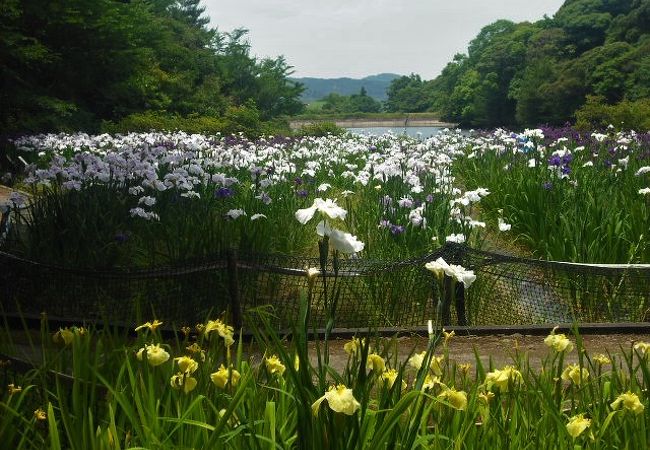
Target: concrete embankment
370, 123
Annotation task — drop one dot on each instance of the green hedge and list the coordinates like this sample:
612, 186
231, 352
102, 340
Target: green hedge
239, 119
626, 115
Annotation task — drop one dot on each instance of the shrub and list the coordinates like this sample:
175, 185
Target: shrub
626, 115
321, 129
161, 120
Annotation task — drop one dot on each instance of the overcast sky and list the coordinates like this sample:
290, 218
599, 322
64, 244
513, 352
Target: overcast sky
356, 38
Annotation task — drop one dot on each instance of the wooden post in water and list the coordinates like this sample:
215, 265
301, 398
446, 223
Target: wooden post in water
233, 288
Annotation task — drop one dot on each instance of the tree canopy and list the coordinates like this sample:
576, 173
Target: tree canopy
355, 103
543, 72
71, 64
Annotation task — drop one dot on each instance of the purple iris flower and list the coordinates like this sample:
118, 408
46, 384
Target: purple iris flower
266, 198
121, 237
547, 185
302, 193
223, 192
555, 160
396, 229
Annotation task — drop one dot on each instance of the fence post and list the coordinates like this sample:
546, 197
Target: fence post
458, 257
460, 304
233, 288
447, 290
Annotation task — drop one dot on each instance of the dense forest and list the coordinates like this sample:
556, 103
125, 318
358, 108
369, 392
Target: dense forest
590, 62
116, 65
102, 64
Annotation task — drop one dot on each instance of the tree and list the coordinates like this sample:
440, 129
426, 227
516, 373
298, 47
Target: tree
72, 64
543, 72
408, 94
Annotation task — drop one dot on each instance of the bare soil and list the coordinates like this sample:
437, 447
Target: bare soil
501, 348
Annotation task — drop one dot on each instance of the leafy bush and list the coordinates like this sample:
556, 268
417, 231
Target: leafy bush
237, 119
161, 120
626, 115
319, 129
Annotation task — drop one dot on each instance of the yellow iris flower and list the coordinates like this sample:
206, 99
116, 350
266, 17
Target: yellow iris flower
457, 399
224, 376
186, 364
577, 424
376, 363
183, 380
151, 326
225, 331
629, 401
155, 354
274, 365
559, 342
503, 378
575, 374
340, 399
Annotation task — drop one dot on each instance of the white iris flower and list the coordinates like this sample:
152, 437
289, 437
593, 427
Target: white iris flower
340, 240
327, 207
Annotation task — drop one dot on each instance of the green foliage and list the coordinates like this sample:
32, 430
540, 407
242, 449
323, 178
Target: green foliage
152, 120
93, 391
527, 74
319, 129
627, 115
236, 119
408, 94
592, 214
356, 103
69, 65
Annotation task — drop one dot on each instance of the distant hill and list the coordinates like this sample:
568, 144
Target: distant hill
591, 56
317, 88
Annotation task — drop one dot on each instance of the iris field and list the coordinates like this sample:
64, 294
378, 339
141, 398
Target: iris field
150, 199
143, 200
205, 388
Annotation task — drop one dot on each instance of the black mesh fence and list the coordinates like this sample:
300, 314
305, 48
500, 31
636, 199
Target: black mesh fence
508, 291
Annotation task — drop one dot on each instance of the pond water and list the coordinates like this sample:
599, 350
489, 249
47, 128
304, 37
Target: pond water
417, 132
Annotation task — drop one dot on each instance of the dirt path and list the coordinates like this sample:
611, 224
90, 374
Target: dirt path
501, 348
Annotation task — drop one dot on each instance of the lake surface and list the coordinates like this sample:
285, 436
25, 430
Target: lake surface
417, 132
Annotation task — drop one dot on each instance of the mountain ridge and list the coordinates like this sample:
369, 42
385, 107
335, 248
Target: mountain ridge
316, 88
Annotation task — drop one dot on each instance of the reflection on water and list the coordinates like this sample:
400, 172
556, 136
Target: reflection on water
417, 132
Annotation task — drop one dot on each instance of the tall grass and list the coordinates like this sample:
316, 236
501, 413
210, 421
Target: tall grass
583, 206
93, 392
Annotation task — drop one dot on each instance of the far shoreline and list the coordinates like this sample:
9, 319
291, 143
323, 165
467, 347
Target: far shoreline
371, 123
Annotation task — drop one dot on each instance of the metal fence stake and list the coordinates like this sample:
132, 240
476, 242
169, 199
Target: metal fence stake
448, 292
233, 288
460, 304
